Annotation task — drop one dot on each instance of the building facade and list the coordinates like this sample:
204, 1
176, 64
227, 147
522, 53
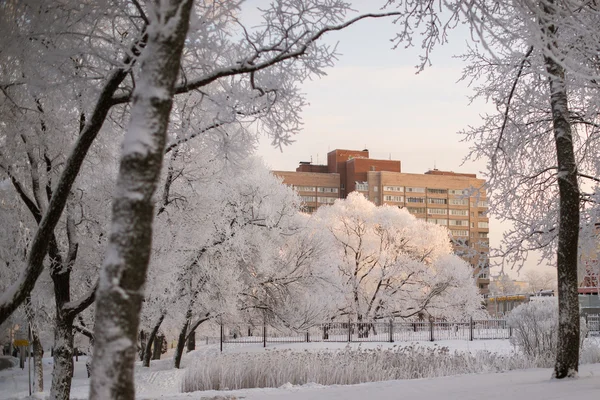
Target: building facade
456, 201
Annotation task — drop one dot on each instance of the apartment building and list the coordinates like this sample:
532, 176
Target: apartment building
454, 200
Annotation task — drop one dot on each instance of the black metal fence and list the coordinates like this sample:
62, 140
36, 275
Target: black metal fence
368, 332
593, 323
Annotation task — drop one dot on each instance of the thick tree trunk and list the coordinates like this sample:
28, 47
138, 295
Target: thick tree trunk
123, 275
181, 342
150, 339
567, 355
567, 359
62, 374
157, 349
191, 341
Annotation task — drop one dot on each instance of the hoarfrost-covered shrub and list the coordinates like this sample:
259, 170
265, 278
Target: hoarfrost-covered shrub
535, 330
535, 326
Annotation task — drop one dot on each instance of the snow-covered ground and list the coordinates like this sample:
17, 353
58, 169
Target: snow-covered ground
162, 381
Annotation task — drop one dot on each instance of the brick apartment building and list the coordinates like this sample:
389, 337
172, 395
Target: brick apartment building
454, 200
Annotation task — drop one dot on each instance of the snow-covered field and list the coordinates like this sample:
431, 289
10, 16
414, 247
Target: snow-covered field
162, 381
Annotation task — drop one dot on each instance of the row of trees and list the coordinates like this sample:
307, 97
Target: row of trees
244, 251
183, 72
192, 84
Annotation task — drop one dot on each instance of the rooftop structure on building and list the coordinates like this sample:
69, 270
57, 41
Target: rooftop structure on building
454, 200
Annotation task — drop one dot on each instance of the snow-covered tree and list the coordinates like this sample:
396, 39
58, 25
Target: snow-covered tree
539, 280
503, 285
90, 58
239, 74
233, 252
536, 62
392, 265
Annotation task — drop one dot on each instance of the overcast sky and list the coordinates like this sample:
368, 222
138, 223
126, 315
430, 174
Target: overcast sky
374, 99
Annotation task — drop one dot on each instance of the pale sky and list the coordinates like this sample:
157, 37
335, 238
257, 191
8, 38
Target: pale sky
374, 99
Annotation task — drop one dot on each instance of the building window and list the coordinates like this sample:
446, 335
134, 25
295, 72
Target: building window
376, 188
308, 209
308, 199
437, 211
416, 210
415, 189
459, 202
459, 232
326, 200
482, 214
458, 222
327, 190
397, 199
438, 221
393, 188
483, 235
415, 199
483, 225
458, 192
362, 186
482, 204
437, 191
437, 201
458, 212
342, 186
305, 188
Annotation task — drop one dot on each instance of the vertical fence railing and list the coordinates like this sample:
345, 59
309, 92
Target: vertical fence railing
390, 331
593, 323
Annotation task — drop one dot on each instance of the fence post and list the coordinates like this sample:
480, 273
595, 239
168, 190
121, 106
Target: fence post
431, 330
391, 331
264, 332
307, 337
221, 336
471, 329
509, 331
349, 331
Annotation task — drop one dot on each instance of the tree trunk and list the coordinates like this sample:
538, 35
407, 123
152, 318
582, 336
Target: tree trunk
38, 351
567, 355
157, 349
38, 368
143, 340
181, 342
123, 275
191, 341
150, 339
62, 373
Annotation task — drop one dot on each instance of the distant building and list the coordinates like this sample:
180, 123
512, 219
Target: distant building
454, 200
500, 305
589, 300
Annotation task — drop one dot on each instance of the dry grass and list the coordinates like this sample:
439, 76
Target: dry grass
344, 367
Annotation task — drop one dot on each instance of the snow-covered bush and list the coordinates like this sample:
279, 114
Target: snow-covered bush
535, 326
343, 367
535, 330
